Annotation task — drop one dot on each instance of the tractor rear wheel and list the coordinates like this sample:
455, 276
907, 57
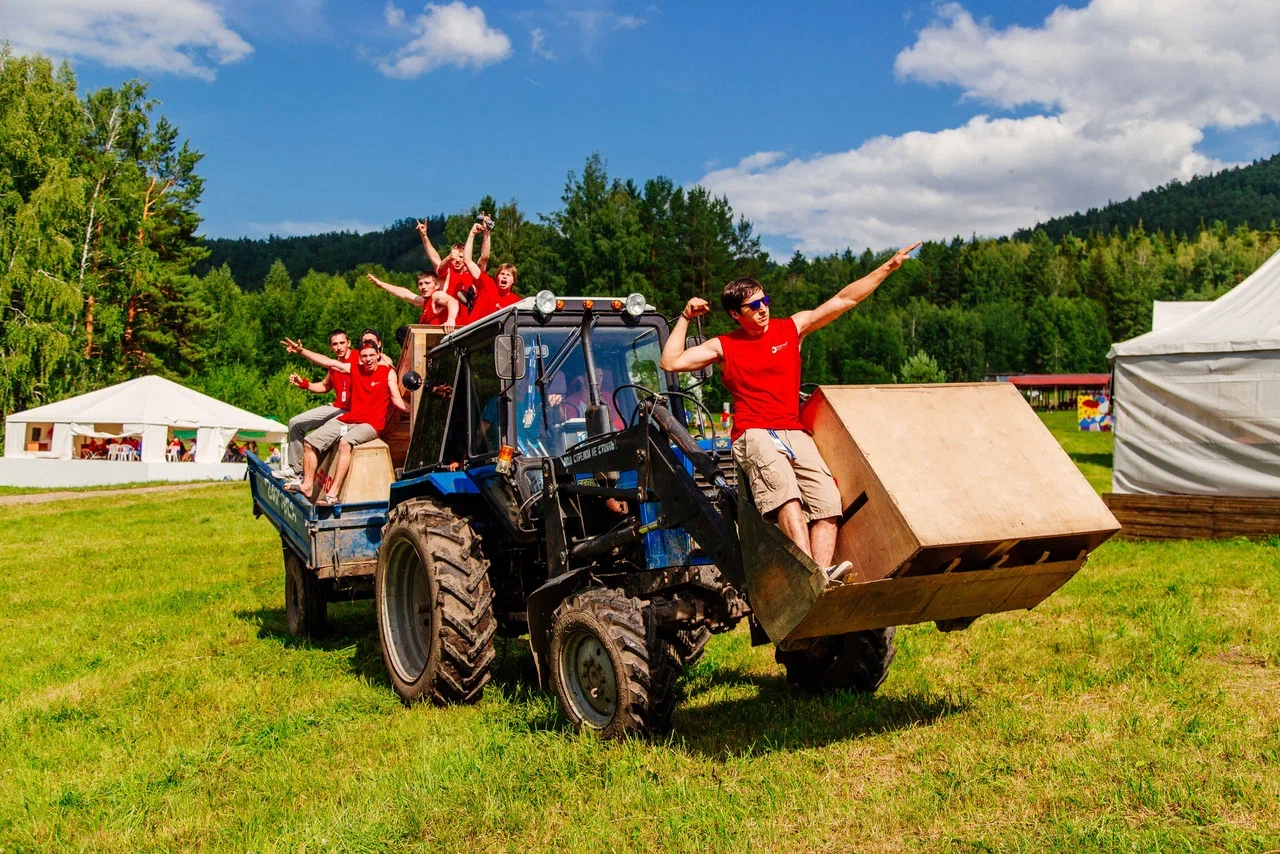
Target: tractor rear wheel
434, 605
306, 599
611, 672
858, 661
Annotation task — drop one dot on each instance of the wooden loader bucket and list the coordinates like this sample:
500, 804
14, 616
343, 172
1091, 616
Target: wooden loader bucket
958, 502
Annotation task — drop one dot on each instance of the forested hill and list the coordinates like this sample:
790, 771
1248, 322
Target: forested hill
397, 247
1246, 196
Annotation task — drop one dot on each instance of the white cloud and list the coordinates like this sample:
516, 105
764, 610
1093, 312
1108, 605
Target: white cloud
539, 44
295, 228
182, 37
1127, 88
594, 24
456, 34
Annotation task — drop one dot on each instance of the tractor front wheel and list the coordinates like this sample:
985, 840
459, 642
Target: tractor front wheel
434, 605
611, 672
858, 661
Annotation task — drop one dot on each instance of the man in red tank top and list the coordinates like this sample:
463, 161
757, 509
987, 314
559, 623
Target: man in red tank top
438, 308
494, 294
790, 482
374, 386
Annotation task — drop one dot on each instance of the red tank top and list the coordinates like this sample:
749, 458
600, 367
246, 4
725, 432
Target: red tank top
431, 316
370, 397
763, 377
341, 383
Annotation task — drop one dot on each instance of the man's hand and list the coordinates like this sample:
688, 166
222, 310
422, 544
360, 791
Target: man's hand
555, 399
900, 256
695, 307
299, 381
292, 346
477, 227
422, 227
371, 277
448, 328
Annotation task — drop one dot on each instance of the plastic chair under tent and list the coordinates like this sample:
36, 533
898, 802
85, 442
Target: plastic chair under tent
172, 455
114, 451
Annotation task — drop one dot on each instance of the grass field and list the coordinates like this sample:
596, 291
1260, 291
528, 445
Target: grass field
150, 699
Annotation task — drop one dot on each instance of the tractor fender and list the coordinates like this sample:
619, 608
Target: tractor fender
541, 606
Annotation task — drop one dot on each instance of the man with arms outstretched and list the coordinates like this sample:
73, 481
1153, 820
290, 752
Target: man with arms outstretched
438, 308
790, 482
463, 273
373, 389
334, 381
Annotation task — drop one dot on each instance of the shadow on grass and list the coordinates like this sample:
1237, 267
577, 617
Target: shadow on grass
350, 626
1103, 460
781, 718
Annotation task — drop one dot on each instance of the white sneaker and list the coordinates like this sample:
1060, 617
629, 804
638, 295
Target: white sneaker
837, 573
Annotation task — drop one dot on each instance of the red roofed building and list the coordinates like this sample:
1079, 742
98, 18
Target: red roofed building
1056, 391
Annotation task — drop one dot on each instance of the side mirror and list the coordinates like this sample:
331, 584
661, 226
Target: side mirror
412, 380
703, 374
508, 357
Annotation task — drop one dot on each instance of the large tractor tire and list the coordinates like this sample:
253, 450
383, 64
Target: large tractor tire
434, 605
611, 672
858, 661
306, 598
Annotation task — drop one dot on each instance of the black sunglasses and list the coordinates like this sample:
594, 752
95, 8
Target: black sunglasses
755, 304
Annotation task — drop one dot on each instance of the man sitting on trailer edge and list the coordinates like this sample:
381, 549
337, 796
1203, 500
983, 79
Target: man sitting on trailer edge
790, 482
374, 388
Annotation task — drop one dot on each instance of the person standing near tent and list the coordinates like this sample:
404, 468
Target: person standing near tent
790, 482
373, 390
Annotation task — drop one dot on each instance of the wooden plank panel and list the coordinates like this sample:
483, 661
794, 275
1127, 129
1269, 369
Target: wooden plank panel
1167, 517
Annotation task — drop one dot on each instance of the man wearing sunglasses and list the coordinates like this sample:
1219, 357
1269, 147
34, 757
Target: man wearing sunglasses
790, 482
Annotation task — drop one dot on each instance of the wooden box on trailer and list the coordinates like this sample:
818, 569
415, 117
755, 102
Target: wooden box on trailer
413, 357
940, 478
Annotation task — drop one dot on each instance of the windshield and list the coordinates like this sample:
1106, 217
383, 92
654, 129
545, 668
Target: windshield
623, 355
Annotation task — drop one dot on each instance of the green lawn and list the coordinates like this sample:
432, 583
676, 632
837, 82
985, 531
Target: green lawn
151, 700
1091, 452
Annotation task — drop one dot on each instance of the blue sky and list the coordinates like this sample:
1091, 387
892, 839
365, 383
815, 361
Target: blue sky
828, 124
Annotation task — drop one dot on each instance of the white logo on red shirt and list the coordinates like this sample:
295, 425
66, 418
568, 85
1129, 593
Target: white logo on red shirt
777, 347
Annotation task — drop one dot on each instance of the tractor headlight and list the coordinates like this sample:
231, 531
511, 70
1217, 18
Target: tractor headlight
545, 302
636, 305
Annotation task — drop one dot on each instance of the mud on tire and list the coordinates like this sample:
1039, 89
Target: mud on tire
434, 605
858, 661
610, 670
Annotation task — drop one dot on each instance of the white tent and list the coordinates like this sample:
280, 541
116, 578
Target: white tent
148, 407
1166, 313
1197, 402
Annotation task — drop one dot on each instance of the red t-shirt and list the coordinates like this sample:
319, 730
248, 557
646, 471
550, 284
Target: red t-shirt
458, 279
370, 397
489, 299
763, 376
432, 317
341, 383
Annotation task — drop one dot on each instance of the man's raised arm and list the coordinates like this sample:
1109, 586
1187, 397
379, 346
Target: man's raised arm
396, 399
323, 361
850, 295
469, 248
485, 245
307, 385
675, 357
397, 291
432, 255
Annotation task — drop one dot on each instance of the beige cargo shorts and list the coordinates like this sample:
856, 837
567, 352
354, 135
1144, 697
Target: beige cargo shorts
788, 467
353, 434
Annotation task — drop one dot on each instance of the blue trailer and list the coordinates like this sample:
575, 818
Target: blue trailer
330, 554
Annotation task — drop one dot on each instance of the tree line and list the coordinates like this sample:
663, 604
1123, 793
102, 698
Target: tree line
103, 278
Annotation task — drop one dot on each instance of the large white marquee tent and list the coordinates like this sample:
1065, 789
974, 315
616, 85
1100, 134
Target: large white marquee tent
1197, 402
40, 447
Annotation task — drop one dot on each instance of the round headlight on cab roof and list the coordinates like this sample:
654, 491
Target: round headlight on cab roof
545, 302
636, 305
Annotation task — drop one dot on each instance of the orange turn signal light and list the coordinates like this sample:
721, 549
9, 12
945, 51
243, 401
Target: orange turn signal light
505, 455
588, 304
616, 305
559, 304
